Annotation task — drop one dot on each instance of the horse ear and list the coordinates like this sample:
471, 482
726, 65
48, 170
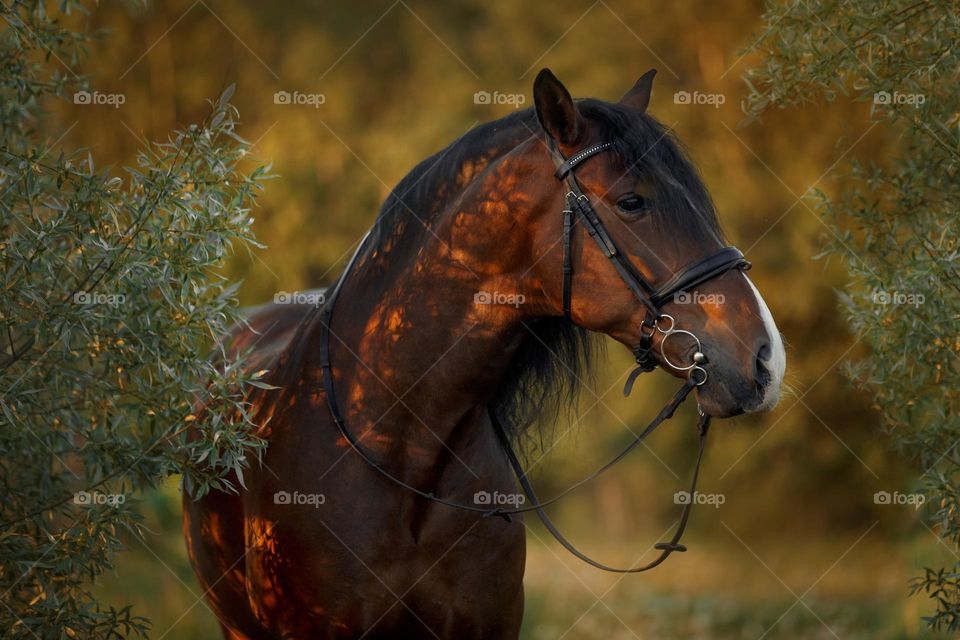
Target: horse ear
556, 110
639, 96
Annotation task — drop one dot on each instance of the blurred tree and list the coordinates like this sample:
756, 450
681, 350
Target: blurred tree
109, 303
894, 222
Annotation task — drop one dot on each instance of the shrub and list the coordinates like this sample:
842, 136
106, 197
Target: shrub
893, 222
110, 303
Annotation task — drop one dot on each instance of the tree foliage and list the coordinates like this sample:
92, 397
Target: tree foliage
110, 303
893, 222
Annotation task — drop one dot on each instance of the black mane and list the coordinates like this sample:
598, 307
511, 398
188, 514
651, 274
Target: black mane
554, 358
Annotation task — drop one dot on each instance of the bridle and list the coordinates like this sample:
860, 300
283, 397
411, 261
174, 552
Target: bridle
578, 208
714, 265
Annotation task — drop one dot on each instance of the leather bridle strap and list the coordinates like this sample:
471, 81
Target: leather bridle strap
665, 548
565, 167
568, 164
699, 272
577, 203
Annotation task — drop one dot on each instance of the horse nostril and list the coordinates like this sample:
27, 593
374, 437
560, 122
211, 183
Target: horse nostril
763, 353
761, 374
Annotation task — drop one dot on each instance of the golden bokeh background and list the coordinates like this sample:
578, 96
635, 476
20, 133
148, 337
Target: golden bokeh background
799, 549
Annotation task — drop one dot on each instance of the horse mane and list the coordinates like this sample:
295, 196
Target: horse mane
555, 357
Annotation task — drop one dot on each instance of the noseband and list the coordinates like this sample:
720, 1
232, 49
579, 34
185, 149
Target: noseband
579, 208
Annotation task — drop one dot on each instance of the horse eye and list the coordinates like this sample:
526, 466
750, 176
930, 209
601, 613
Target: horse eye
632, 204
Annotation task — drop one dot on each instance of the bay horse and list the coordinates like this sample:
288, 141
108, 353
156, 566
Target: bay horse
469, 304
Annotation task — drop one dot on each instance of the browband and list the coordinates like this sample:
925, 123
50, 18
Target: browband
568, 164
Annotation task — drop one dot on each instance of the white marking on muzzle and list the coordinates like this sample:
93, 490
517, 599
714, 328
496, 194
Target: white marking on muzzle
778, 357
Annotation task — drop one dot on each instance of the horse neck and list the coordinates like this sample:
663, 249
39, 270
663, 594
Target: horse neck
421, 336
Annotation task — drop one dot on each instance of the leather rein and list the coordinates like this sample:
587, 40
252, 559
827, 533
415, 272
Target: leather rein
578, 209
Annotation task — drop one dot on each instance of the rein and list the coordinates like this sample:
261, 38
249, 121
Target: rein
577, 204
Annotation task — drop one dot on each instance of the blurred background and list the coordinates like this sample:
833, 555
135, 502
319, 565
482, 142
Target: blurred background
799, 548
